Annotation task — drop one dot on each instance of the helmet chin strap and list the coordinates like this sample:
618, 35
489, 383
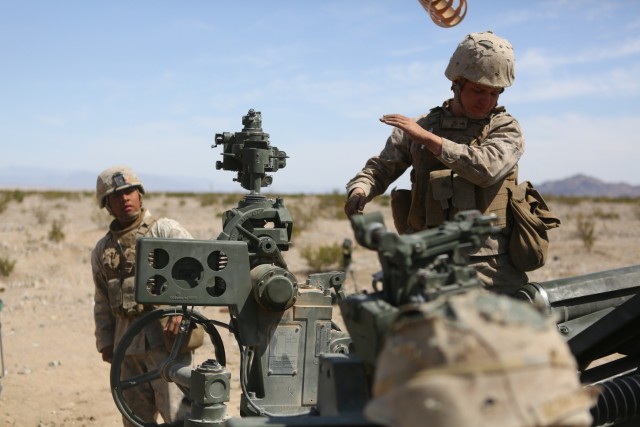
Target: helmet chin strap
456, 87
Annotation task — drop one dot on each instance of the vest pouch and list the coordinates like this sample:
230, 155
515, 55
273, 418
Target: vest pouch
129, 304
400, 205
441, 187
531, 218
114, 289
464, 194
440, 191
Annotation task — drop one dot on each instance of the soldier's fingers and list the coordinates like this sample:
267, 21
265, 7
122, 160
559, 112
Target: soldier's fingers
361, 202
352, 205
355, 205
348, 208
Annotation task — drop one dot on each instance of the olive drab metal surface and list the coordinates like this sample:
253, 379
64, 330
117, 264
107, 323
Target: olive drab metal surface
297, 368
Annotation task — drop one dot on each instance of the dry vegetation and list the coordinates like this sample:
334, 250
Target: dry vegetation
53, 375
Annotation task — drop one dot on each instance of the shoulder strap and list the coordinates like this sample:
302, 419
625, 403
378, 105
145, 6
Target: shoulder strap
145, 227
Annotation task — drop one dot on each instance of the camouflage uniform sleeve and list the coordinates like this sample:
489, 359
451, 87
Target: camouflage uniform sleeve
493, 159
105, 322
169, 229
382, 170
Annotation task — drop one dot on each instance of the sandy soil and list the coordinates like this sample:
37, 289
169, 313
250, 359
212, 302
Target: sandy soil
53, 375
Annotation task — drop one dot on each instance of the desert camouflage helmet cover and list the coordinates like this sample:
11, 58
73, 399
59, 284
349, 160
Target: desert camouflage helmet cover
477, 359
483, 58
114, 179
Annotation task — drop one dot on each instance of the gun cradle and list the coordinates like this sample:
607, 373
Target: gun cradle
283, 326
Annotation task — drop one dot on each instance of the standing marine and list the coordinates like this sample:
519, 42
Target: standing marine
464, 155
120, 191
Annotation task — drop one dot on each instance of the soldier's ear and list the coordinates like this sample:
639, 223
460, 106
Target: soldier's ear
107, 206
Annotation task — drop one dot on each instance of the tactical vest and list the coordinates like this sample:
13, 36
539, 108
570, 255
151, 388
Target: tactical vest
118, 262
437, 192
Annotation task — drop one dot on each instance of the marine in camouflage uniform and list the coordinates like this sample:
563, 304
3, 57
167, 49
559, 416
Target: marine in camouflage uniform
113, 264
464, 155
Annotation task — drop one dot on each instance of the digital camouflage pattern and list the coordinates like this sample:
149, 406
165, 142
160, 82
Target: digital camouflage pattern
483, 58
479, 159
115, 309
477, 359
114, 179
116, 249
476, 168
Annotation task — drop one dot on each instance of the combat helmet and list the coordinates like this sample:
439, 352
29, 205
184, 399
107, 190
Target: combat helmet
114, 179
483, 58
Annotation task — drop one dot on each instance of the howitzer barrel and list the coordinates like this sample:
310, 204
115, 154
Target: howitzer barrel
574, 297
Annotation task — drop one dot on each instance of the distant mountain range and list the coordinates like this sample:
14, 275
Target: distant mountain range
586, 186
42, 179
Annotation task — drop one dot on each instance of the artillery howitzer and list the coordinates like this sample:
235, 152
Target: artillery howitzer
599, 315
297, 368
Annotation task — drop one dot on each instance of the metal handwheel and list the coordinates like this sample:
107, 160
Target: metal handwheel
119, 385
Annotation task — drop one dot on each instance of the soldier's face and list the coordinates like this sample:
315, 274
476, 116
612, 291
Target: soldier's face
478, 100
125, 204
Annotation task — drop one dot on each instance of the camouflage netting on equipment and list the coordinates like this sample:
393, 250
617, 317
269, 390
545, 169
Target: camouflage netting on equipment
477, 359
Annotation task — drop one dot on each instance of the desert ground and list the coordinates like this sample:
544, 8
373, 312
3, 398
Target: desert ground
53, 375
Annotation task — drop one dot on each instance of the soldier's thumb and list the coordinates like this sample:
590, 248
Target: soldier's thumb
362, 200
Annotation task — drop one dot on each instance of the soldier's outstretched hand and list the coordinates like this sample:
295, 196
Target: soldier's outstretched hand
355, 203
418, 134
405, 123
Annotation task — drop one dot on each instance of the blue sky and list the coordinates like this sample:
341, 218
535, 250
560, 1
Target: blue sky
85, 85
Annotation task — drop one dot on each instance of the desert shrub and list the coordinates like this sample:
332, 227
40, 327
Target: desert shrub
4, 202
55, 194
17, 195
229, 199
41, 214
179, 194
384, 200
6, 266
7, 197
322, 258
600, 214
208, 199
565, 200
332, 202
585, 229
55, 233
223, 199
305, 210
101, 218
302, 217
333, 205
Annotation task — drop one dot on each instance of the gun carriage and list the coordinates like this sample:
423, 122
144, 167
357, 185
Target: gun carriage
297, 367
